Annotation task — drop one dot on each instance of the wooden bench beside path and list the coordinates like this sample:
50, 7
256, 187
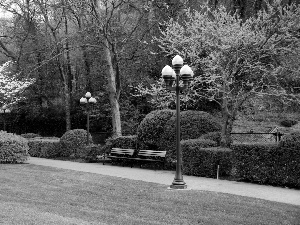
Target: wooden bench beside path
119, 154
143, 156
149, 156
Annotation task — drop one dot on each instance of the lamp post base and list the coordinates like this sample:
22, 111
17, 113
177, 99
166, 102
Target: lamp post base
178, 184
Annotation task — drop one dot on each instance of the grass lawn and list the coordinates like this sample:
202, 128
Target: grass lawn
31, 194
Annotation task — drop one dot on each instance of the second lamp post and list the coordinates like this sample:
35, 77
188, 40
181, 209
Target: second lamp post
169, 75
87, 101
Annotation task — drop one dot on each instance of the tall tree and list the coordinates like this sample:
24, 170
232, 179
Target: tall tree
234, 59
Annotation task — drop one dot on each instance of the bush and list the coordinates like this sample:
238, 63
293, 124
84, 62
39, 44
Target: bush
267, 164
290, 140
288, 123
73, 143
122, 142
193, 124
13, 148
44, 148
30, 135
200, 159
214, 136
152, 126
94, 153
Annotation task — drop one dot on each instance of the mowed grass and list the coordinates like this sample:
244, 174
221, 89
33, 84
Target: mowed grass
33, 194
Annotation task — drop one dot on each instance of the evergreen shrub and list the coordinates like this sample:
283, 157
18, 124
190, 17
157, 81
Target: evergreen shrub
291, 140
73, 143
201, 158
151, 128
13, 148
214, 136
94, 153
267, 164
44, 148
288, 123
193, 124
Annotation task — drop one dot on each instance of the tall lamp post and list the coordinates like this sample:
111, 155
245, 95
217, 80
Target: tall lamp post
88, 100
4, 110
170, 75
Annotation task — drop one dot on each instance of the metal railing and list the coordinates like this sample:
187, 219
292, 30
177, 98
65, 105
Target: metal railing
252, 137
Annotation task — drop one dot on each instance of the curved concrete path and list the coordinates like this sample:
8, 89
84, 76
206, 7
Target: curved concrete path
277, 194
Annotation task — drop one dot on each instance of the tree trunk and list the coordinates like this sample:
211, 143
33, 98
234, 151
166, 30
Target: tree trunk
112, 86
112, 90
67, 106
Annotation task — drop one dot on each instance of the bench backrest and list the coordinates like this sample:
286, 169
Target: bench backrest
120, 151
151, 153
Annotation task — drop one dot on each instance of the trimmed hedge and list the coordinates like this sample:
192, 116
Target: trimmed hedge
152, 126
201, 158
94, 153
267, 164
30, 135
44, 148
193, 124
73, 143
214, 136
290, 140
13, 148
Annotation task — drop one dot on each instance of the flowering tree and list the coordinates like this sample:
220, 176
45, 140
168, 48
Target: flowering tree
235, 59
10, 86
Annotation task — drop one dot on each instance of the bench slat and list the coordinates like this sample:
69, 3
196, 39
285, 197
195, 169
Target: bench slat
150, 153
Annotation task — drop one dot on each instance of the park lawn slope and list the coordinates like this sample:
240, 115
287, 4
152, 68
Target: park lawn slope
33, 194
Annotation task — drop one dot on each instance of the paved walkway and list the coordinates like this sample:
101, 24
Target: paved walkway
270, 193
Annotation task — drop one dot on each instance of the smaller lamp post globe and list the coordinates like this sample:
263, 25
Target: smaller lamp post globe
177, 60
88, 95
83, 100
168, 75
186, 74
92, 100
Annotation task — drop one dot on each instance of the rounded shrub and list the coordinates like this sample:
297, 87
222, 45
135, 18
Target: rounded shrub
193, 124
152, 126
214, 136
13, 148
288, 123
290, 140
73, 143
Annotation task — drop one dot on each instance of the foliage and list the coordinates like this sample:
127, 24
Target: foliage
152, 126
122, 142
234, 59
13, 148
214, 136
267, 164
11, 87
44, 147
201, 158
291, 140
30, 135
193, 124
73, 143
94, 153
288, 123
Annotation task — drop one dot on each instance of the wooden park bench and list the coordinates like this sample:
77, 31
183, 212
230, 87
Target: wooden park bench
119, 155
149, 156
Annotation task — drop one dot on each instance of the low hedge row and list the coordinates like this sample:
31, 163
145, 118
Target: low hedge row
201, 158
44, 148
267, 164
13, 148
